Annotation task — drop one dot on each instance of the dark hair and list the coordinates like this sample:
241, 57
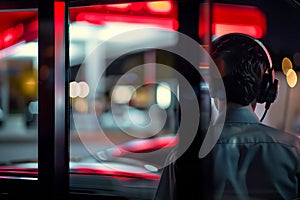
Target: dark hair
245, 63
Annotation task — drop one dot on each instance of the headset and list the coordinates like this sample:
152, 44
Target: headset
269, 85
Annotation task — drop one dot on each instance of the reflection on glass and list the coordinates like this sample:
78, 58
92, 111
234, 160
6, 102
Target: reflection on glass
122, 103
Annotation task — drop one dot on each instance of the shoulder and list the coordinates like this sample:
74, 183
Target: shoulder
243, 133
283, 137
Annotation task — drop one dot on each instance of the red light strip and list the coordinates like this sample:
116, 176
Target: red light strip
253, 30
161, 14
228, 18
145, 145
100, 19
116, 173
118, 7
155, 7
32, 171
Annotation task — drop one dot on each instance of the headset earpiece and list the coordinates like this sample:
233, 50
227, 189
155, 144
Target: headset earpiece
272, 92
268, 88
269, 85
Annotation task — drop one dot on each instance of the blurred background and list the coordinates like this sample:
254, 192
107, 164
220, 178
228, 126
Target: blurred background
120, 91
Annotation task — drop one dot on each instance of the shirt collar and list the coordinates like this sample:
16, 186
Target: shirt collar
241, 115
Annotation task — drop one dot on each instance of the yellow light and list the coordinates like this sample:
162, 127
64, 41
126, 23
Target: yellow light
204, 67
120, 6
30, 86
160, 6
291, 78
144, 97
286, 65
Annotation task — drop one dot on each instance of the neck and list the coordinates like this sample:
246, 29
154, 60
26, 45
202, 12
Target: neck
231, 105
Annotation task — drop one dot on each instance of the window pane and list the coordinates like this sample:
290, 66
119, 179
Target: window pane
18, 92
123, 93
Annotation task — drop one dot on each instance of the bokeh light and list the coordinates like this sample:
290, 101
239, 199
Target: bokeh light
163, 95
74, 89
84, 89
286, 65
81, 105
122, 94
80, 89
291, 78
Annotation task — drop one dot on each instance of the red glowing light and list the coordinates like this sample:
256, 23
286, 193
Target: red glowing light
16, 28
31, 30
233, 18
101, 19
8, 38
118, 7
162, 14
11, 36
137, 6
145, 145
221, 29
59, 15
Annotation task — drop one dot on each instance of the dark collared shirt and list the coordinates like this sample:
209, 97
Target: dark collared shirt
249, 161
254, 160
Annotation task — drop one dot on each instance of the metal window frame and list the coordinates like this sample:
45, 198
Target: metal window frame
53, 133
53, 150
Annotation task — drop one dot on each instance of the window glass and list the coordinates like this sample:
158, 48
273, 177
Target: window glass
18, 91
124, 102
123, 94
124, 85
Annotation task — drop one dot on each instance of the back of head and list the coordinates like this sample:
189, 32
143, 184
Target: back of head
245, 61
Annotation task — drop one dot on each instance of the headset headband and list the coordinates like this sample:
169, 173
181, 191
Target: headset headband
263, 49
